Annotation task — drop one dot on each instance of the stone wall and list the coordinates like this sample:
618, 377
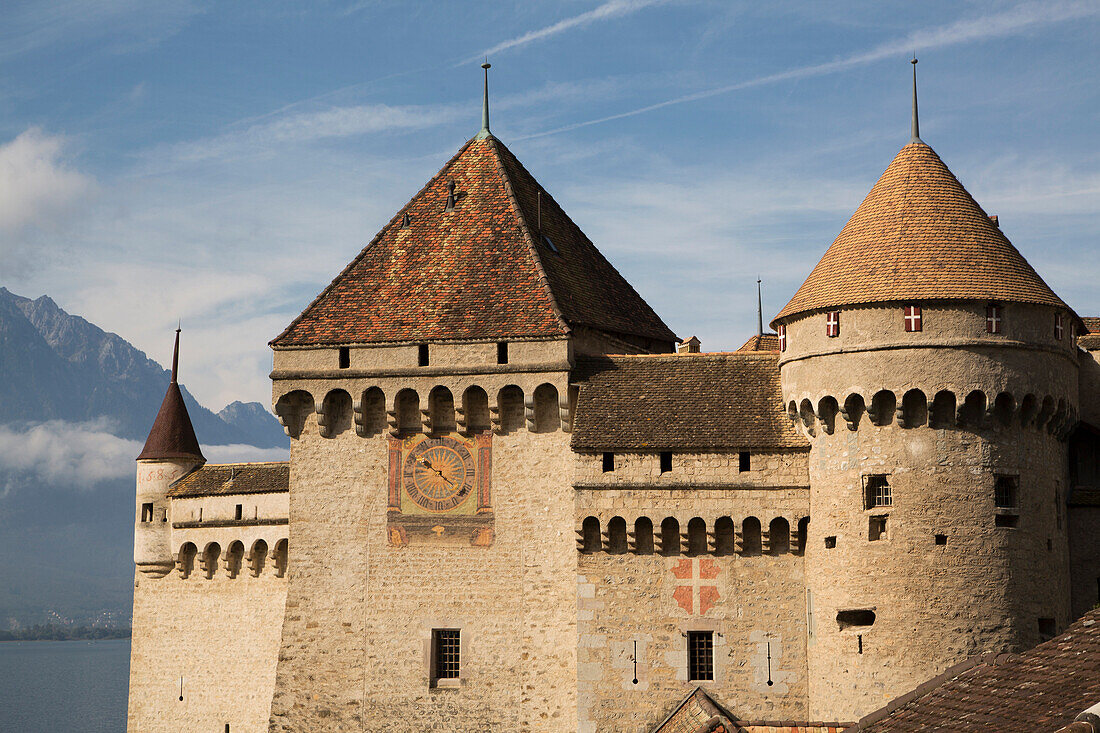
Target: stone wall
360, 610
220, 636
1084, 557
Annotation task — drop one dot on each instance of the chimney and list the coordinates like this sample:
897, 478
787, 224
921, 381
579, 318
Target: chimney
993, 218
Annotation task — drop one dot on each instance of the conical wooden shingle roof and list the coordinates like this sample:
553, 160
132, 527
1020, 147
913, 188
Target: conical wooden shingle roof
485, 269
172, 435
919, 235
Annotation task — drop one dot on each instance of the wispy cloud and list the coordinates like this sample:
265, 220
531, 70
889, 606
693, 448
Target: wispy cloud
1016, 20
82, 455
605, 11
38, 190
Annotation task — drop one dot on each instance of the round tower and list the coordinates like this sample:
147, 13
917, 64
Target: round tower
935, 375
171, 451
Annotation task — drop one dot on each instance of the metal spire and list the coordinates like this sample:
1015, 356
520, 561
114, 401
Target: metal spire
485, 104
759, 311
176, 354
916, 122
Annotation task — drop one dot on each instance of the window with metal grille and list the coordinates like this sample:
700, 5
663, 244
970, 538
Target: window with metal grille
993, 319
1005, 492
445, 653
1059, 329
832, 324
782, 331
912, 318
876, 492
700, 655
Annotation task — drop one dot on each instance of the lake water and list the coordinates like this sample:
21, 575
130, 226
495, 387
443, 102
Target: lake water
64, 686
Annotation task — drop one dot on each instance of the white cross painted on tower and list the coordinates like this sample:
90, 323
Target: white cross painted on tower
912, 318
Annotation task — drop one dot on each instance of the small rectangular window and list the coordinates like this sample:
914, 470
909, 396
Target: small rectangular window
1059, 329
782, 332
345, 357
147, 512
700, 655
912, 318
1046, 629
608, 462
941, 539
239, 513
502, 352
876, 528
1006, 492
832, 324
666, 461
422, 355
830, 542
876, 492
993, 319
744, 461
445, 654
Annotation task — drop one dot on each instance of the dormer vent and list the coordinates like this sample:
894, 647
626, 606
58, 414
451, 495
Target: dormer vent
993, 218
406, 221
450, 196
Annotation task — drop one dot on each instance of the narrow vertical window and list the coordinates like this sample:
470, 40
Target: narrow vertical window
422, 355
782, 331
912, 318
239, 513
993, 319
1059, 329
502, 352
147, 512
608, 462
445, 654
1005, 492
744, 461
700, 655
832, 324
345, 357
666, 461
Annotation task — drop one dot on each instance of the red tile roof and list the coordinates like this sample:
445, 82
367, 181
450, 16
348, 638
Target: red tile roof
481, 271
233, 478
1039, 690
919, 235
682, 401
761, 342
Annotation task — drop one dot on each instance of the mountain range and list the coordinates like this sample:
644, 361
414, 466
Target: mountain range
76, 403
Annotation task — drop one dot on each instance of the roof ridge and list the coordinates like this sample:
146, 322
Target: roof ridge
530, 240
247, 463
374, 240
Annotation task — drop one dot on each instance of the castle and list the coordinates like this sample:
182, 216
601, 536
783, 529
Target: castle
516, 504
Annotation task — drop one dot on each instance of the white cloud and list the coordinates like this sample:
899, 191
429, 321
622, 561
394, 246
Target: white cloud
36, 186
605, 11
81, 455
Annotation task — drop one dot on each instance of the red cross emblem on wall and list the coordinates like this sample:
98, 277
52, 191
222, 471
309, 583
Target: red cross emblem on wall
696, 589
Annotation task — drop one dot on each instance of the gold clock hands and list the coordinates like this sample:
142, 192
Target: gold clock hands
433, 468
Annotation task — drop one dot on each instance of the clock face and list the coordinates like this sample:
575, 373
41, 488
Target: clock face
439, 474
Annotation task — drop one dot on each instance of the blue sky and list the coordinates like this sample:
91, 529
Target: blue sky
220, 162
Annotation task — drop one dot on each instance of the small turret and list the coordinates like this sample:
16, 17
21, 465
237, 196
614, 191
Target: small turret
171, 450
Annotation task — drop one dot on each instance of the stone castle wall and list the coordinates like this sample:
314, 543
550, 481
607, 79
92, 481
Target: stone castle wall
360, 610
220, 636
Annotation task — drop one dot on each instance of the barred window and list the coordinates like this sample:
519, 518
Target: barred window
700, 655
1005, 492
876, 492
445, 651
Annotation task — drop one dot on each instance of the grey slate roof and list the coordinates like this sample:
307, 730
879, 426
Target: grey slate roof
684, 401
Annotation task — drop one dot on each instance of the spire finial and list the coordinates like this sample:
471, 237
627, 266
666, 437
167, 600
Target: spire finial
485, 103
759, 311
916, 122
176, 353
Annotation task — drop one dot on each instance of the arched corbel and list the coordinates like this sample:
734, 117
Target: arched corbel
358, 416
323, 420
529, 411
566, 414
495, 415
392, 418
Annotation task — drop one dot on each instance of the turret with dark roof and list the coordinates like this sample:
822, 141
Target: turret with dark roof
172, 435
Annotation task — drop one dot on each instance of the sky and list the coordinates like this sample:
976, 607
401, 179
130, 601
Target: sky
219, 163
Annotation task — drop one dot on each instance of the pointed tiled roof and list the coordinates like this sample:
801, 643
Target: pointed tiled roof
172, 435
480, 271
919, 235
